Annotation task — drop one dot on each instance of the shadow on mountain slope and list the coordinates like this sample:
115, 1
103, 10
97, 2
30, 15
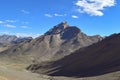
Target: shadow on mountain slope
59, 41
98, 59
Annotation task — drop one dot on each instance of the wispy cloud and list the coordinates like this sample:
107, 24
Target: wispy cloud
10, 21
94, 7
26, 35
4, 32
55, 15
25, 22
9, 26
25, 11
24, 27
20, 34
48, 15
7, 21
60, 15
74, 16
1, 22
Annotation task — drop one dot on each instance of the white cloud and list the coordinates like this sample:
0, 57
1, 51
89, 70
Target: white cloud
94, 7
24, 27
25, 12
48, 15
54, 15
10, 21
20, 34
1, 22
25, 22
26, 35
4, 32
74, 16
61, 15
9, 26
7, 21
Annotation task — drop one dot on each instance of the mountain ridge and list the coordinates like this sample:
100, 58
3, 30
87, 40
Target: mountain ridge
97, 59
53, 44
63, 52
7, 41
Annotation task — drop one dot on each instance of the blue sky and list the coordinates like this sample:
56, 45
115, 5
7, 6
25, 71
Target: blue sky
35, 17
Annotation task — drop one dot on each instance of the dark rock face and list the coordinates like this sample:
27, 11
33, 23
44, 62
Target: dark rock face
70, 33
97, 59
56, 43
58, 28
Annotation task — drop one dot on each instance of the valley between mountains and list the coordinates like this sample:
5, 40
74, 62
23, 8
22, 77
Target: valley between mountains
62, 53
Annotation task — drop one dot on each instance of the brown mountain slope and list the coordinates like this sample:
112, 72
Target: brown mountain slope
59, 41
97, 59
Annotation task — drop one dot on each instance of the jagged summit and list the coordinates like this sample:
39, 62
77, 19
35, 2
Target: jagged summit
58, 28
63, 25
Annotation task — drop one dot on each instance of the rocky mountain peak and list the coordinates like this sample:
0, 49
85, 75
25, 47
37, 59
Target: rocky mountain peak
63, 25
56, 43
58, 28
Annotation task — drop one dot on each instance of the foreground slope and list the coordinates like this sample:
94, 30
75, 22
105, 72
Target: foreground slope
7, 73
98, 59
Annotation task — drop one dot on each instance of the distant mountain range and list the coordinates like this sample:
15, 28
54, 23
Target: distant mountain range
7, 38
56, 43
12, 39
64, 50
7, 41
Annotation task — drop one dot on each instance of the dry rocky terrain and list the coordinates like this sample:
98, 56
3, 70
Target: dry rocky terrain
62, 53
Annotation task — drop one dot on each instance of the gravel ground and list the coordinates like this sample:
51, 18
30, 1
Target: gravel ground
9, 73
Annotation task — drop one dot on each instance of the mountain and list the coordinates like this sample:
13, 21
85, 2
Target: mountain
56, 43
7, 41
7, 38
62, 53
97, 59
22, 39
